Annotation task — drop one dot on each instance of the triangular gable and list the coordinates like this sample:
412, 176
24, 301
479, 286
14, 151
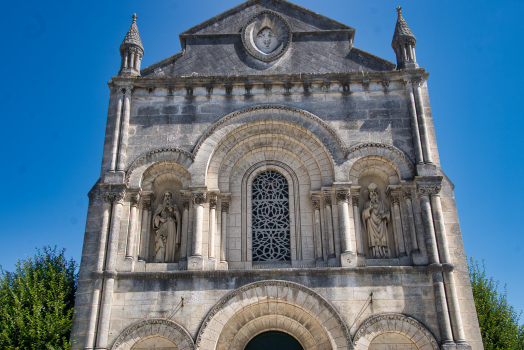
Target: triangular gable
299, 18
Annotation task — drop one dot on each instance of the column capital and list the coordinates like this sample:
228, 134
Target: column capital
225, 207
135, 197
429, 189
213, 198
342, 195
186, 197
113, 193
224, 197
198, 198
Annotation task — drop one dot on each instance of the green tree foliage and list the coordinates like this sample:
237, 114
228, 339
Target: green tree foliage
36, 302
499, 323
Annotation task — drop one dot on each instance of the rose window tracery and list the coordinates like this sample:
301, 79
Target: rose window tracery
270, 221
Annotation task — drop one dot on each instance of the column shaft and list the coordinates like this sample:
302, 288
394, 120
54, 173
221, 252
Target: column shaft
442, 308
132, 59
112, 252
223, 239
318, 230
131, 237
415, 133
125, 131
424, 134
411, 220
398, 226
146, 226
198, 200
212, 231
184, 238
329, 225
358, 229
427, 220
344, 221
449, 279
116, 131
97, 283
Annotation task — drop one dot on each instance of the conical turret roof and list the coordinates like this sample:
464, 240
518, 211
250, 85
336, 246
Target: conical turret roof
132, 37
402, 31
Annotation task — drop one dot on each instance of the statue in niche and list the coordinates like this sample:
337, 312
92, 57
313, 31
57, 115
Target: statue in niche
375, 217
166, 223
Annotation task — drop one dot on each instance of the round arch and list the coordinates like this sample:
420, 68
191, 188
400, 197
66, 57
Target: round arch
145, 329
387, 154
137, 169
275, 301
293, 119
394, 323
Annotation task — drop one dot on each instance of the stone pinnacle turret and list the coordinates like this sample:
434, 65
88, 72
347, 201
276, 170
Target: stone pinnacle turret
131, 51
404, 43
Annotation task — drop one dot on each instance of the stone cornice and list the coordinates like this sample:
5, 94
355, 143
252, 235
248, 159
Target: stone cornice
330, 271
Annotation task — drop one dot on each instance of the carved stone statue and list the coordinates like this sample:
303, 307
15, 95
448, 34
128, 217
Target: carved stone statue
166, 223
375, 217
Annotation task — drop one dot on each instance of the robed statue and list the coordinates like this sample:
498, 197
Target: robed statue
376, 217
166, 224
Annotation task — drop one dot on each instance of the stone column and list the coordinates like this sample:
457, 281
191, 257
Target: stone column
411, 219
125, 130
195, 262
146, 228
186, 197
449, 279
137, 61
223, 239
107, 198
116, 131
355, 197
131, 237
112, 252
414, 123
213, 198
348, 258
132, 59
397, 222
424, 135
329, 224
424, 192
315, 199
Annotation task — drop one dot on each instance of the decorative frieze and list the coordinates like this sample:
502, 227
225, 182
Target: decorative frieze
427, 190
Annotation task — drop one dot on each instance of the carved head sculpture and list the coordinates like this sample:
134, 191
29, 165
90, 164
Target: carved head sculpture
373, 194
266, 40
168, 198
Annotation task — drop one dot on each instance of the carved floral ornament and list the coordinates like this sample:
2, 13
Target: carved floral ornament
266, 36
113, 196
342, 195
426, 190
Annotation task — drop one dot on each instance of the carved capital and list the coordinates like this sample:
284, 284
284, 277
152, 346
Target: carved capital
407, 195
225, 207
198, 198
186, 197
427, 190
327, 199
395, 198
355, 198
316, 204
146, 203
107, 197
342, 195
213, 197
417, 81
129, 90
120, 196
135, 198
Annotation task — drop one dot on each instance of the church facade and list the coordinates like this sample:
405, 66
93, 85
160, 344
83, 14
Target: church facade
272, 185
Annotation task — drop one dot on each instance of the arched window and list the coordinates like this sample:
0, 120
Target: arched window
270, 224
275, 341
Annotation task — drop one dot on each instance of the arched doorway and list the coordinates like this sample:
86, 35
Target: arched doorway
273, 340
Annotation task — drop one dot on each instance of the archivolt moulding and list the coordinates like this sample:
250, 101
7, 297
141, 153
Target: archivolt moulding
393, 323
288, 114
269, 290
143, 162
154, 327
389, 152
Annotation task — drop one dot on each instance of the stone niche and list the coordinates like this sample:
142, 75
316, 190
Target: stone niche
165, 186
392, 341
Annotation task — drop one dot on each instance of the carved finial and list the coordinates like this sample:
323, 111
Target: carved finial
399, 10
134, 17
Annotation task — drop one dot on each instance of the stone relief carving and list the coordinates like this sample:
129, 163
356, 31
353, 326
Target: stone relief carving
166, 223
375, 217
266, 36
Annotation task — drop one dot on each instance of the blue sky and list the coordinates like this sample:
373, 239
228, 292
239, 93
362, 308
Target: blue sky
58, 55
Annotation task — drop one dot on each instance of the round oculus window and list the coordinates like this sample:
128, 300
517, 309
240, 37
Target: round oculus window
266, 36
